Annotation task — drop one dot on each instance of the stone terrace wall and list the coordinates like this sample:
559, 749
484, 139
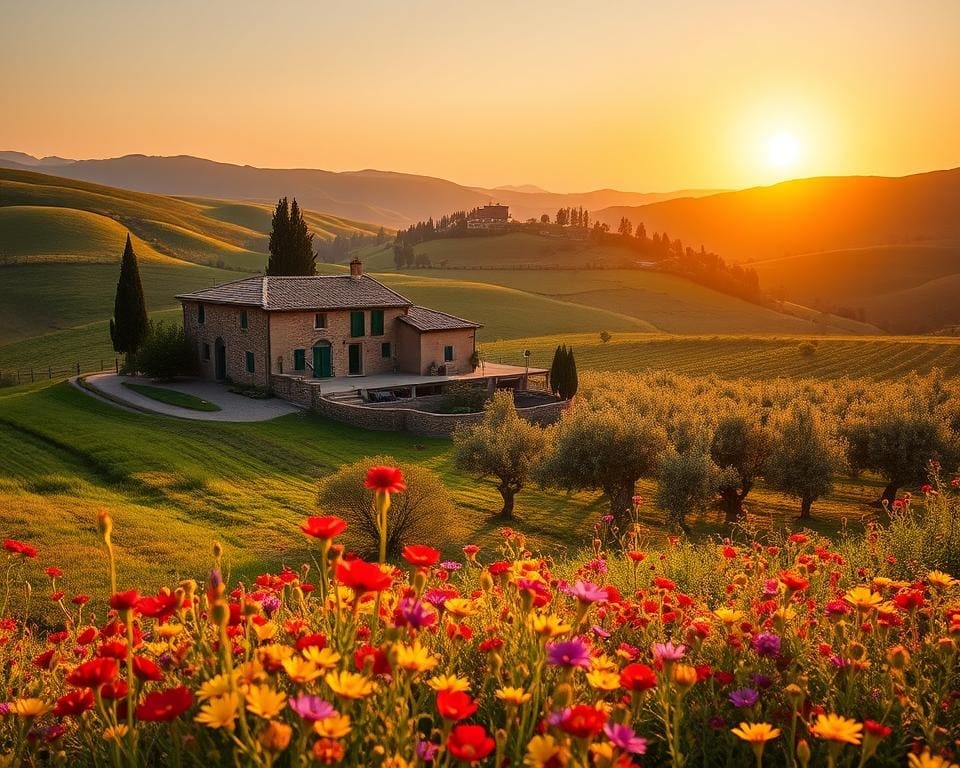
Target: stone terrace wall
399, 418
293, 388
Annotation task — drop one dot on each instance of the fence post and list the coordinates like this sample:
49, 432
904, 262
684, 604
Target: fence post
78, 367
31, 374
49, 372
116, 365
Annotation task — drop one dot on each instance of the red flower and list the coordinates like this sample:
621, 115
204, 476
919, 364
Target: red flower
375, 657
45, 659
794, 581
161, 607
74, 703
94, 673
53, 572
315, 640
80, 599
909, 600
164, 706
638, 677
87, 635
421, 555
19, 548
386, 479
583, 721
326, 527
455, 705
470, 743
114, 691
145, 669
877, 730
124, 601
361, 576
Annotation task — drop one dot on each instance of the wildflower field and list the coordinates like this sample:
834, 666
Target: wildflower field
788, 652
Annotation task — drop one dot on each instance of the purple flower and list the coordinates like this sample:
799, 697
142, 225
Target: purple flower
623, 737
587, 592
554, 719
668, 651
436, 596
745, 697
312, 708
771, 587
270, 604
608, 519
761, 681
568, 653
414, 613
5, 708
767, 645
599, 631
450, 565
427, 750
597, 565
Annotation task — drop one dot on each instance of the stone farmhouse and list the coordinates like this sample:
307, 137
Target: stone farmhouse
320, 327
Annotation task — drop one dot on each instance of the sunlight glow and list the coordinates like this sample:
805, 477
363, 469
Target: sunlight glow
783, 150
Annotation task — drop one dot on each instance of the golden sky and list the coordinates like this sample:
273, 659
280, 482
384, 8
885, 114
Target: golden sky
646, 96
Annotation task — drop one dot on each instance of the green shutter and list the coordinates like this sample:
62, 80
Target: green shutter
250, 365
376, 322
299, 359
201, 315
243, 318
447, 354
356, 324
385, 349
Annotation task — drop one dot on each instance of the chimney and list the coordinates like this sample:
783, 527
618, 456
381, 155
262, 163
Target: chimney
356, 269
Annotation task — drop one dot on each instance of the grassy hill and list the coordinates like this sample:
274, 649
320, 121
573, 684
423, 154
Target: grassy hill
750, 357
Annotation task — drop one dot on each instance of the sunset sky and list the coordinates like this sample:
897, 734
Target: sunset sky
570, 96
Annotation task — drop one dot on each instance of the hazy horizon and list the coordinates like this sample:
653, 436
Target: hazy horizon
556, 95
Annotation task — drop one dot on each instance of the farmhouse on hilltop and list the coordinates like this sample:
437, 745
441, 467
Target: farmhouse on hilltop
488, 217
320, 327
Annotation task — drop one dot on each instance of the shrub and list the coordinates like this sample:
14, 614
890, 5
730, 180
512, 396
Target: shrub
418, 515
461, 397
163, 354
806, 349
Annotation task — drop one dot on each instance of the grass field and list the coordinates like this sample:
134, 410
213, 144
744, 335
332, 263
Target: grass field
174, 486
173, 397
751, 357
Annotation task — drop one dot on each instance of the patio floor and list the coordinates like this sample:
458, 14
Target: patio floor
403, 380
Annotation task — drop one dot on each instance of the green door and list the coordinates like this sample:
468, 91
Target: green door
356, 360
322, 364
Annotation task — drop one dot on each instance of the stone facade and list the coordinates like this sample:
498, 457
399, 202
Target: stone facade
430, 347
222, 328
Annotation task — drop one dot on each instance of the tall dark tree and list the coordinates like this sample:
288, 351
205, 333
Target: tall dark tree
291, 244
279, 261
129, 325
563, 373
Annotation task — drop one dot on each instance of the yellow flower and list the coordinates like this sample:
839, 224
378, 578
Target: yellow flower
266, 631
349, 685
543, 751
607, 681
325, 658
684, 675
415, 658
548, 625
941, 580
166, 631
265, 702
115, 732
301, 671
215, 686
513, 696
728, 616
460, 606
756, 733
335, 727
926, 760
30, 707
603, 663
450, 683
397, 761
837, 728
602, 753
273, 655
220, 711
863, 598
275, 737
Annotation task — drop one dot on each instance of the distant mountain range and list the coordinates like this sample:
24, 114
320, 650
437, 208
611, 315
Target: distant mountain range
382, 197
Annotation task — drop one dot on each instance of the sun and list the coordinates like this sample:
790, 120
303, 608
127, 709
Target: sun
783, 150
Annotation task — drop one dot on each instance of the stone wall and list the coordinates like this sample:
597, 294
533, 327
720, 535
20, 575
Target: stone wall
296, 389
432, 343
222, 322
401, 417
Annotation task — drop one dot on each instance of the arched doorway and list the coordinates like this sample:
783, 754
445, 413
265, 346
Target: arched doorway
322, 360
219, 360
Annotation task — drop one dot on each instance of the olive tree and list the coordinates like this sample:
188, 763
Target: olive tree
605, 449
503, 446
418, 515
687, 479
804, 458
740, 448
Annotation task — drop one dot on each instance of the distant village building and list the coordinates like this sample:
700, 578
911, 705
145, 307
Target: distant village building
489, 217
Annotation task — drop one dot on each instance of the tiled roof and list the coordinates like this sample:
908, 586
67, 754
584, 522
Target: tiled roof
281, 294
424, 319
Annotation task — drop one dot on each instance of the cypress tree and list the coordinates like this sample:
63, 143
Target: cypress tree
570, 381
279, 261
129, 325
302, 257
555, 370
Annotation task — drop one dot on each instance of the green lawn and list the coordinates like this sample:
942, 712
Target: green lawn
172, 397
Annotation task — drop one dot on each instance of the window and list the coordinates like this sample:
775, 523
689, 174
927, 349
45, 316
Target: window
376, 322
206, 351
200, 314
243, 319
385, 349
357, 324
299, 359
447, 353
320, 320
250, 366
